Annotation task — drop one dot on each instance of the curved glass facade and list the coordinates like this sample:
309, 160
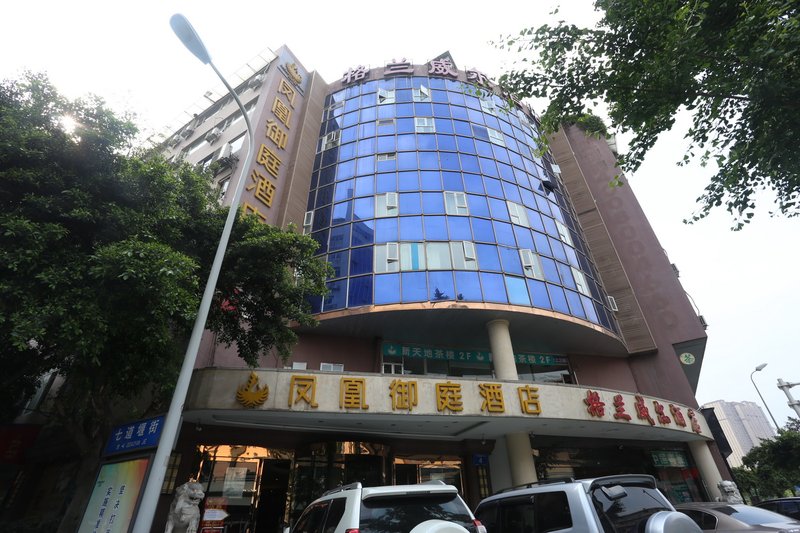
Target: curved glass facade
429, 189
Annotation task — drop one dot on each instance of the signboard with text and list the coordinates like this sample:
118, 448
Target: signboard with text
397, 349
134, 436
114, 497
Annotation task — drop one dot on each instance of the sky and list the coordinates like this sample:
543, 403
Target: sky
743, 283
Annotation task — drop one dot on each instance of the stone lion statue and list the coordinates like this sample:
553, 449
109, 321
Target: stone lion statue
184, 511
730, 492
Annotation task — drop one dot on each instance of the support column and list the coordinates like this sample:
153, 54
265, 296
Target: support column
520, 459
707, 467
502, 350
520, 455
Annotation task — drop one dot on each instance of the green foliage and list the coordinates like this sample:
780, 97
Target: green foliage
732, 64
103, 255
773, 466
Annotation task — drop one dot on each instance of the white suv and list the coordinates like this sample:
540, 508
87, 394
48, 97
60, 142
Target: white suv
430, 507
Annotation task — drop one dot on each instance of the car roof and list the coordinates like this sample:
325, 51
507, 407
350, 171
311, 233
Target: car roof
786, 499
586, 485
405, 490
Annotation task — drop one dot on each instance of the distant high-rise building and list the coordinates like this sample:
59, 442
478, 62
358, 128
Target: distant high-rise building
744, 425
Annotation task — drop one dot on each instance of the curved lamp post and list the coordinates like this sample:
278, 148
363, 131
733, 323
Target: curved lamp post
759, 368
169, 432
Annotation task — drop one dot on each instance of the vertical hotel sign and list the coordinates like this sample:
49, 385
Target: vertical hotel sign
276, 132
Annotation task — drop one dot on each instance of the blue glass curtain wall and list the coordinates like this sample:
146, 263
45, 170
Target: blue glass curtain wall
428, 189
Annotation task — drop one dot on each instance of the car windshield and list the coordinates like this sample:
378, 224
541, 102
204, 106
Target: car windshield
752, 515
402, 513
628, 513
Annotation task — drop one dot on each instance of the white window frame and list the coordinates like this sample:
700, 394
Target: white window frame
308, 220
384, 122
531, 264
386, 205
331, 367
580, 282
488, 105
389, 254
441, 247
392, 368
455, 203
423, 94
496, 136
612, 303
386, 96
465, 250
518, 214
331, 139
563, 232
387, 156
299, 365
405, 256
424, 125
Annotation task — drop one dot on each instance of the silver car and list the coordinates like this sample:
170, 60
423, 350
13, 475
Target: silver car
722, 517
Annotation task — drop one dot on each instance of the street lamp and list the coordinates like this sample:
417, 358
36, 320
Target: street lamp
169, 432
759, 368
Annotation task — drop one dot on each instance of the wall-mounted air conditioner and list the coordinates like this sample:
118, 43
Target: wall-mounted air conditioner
213, 135
612, 303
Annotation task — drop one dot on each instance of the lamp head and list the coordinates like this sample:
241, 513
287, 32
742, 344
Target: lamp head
185, 32
760, 367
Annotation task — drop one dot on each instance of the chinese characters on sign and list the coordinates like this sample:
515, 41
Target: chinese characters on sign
135, 436
395, 349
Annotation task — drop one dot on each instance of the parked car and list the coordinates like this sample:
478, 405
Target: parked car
430, 507
721, 516
786, 506
611, 504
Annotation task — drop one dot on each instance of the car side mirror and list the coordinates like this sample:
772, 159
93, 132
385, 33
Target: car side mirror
671, 522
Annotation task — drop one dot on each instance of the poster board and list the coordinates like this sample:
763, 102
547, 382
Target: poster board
115, 495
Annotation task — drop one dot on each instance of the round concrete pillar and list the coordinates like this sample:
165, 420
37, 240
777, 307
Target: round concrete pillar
502, 351
707, 467
520, 459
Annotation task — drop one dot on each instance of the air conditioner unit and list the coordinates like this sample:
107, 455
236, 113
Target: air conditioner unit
174, 141
187, 133
612, 303
226, 152
256, 81
213, 135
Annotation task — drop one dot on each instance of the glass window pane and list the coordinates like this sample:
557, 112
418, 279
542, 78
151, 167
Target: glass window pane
360, 291
558, 299
386, 230
414, 287
387, 289
517, 291
488, 259
504, 233
575, 306
410, 203
550, 270
483, 230
411, 229
412, 256
473, 183
538, 293
432, 203
435, 228
468, 287
336, 296
360, 260
342, 212
430, 180
338, 261
459, 229
363, 232
441, 287
494, 289
510, 260
438, 256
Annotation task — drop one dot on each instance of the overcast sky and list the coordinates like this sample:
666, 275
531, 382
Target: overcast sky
744, 283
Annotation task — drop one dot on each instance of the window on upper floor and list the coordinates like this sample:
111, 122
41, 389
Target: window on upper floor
496, 136
423, 94
464, 257
580, 282
488, 105
531, 264
331, 139
517, 213
386, 205
386, 96
387, 257
563, 232
424, 125
455, 203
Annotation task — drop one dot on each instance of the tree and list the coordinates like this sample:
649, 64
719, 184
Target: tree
774, 465
103, 253
731, 63
792, 424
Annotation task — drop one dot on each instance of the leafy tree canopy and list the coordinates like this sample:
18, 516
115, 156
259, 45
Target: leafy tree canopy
774, 465
103, 254
732, 63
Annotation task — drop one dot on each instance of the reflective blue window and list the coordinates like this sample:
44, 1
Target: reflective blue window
574, 301
430, 180
426, 141
404, 110
338, 261
524, 237
342, 212
491, 121
477, 205
411, 229
386, 144
352, 104
542, 244
440, 286
438, 96
459, 113
350, 119
538, 293
432, 203
387, 288
493, 187
347, 151
363, 232
322, 239
511, 192
588, 307
322, 218
360, 260
316, 303
449, 161
368, 114
483, 231
446, 143
566, 275
456, 97
324, 195
344, 190
507, 173
366, 130
488, 167
409, 203
500, 154
403, 95
469, 163
414, 287
367, 146
345, 170
487, 257
535, 219
466, 145
406, 142
510, 260
443, 125
459, 229
558, 299
517, 291
360, 291
423, 109
428, 160
452, 181
340, 237
327, 175
558, 249
407, 161
504, 233
337, 295
468, 286
368, 97
441, 110
408, 181
386, 127
386, 230
550, 270
476, 117
405, 125
499, 209
386, 183
473, 183
386, 111
494, 288
365, 186
435, 229
484, 149
462, 128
